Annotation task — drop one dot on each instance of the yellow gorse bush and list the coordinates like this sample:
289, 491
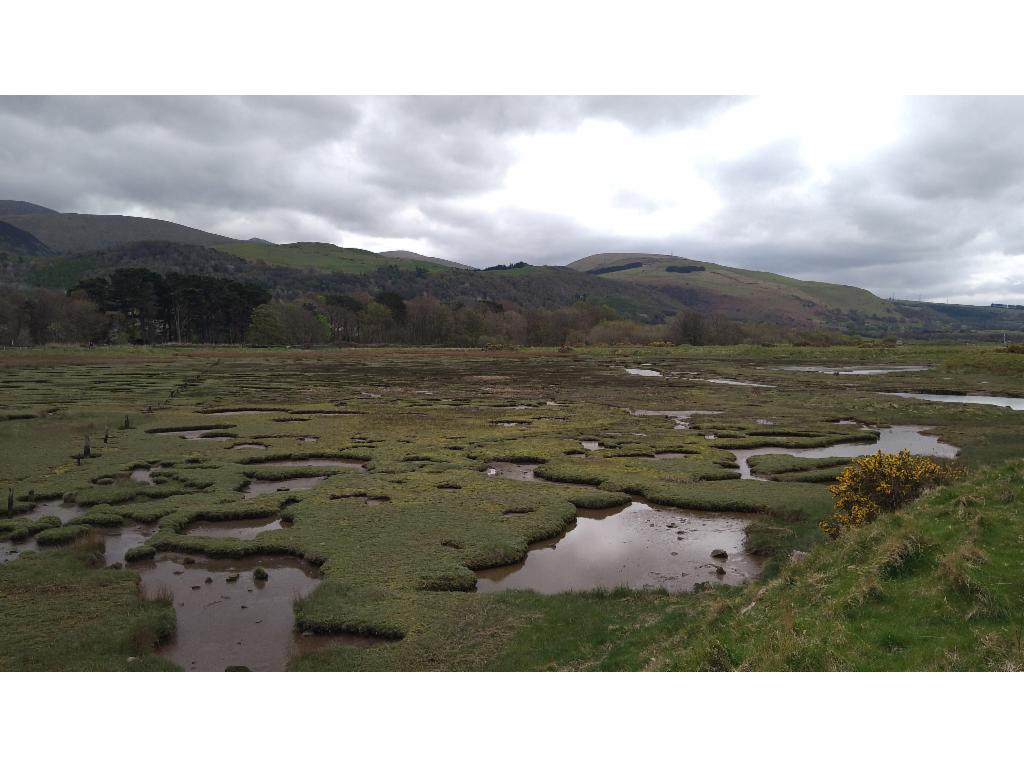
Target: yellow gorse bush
880, 483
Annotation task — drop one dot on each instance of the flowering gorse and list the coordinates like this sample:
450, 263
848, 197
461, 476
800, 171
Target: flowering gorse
880, 483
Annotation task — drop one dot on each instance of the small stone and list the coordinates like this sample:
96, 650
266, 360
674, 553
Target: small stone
720, 570
195, 586
189, 560
209, 580
231, 578
260, 574
719, 553
673, 554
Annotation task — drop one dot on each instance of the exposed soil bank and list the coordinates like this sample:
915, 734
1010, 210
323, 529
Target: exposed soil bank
640, 545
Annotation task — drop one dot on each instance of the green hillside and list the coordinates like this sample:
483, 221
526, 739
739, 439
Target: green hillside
743, 293
327, 257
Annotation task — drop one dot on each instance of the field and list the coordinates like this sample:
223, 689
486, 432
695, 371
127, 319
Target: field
131, 468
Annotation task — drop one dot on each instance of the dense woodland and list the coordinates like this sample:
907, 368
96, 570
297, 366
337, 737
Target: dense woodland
140, 306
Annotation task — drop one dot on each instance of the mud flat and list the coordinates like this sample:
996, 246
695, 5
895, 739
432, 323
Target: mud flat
639, 546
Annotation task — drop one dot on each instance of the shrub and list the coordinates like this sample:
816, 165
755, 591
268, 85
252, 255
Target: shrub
881, 483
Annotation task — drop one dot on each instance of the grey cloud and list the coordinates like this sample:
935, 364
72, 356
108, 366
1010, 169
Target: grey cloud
912, 219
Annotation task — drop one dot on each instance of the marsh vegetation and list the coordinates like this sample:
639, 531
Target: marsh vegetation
400, 524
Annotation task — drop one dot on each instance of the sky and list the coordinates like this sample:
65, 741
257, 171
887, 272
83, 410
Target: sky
908, 197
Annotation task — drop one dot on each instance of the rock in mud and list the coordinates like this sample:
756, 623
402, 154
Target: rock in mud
719, 553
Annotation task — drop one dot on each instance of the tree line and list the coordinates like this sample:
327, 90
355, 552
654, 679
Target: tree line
138, 305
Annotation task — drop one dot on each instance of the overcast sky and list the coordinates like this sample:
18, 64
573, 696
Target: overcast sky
907, 197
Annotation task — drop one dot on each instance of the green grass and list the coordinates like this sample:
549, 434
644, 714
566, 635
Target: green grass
324, 256
59, 611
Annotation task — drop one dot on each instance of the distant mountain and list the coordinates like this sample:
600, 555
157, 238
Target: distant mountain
260, 240
744, 294
80, 232
413, 256
18, 242
19, 207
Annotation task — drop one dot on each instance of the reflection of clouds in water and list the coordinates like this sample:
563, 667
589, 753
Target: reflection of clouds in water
890, 440
632, 547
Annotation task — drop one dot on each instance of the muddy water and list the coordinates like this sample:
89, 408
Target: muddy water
261, 487
737, 383
249, 412
245, 622
591, 445
681, 418
195, 434
640, 545
1013, 403
890, 440
852, 370
353, 463
143, 476
10, 550
642, 372
57, 508
117, 541
235, 529
511, 471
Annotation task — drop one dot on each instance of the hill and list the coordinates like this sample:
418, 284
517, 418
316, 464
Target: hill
330, 257
18, 242
420, 257
80, 232
743, 294
531, 287
19, 207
